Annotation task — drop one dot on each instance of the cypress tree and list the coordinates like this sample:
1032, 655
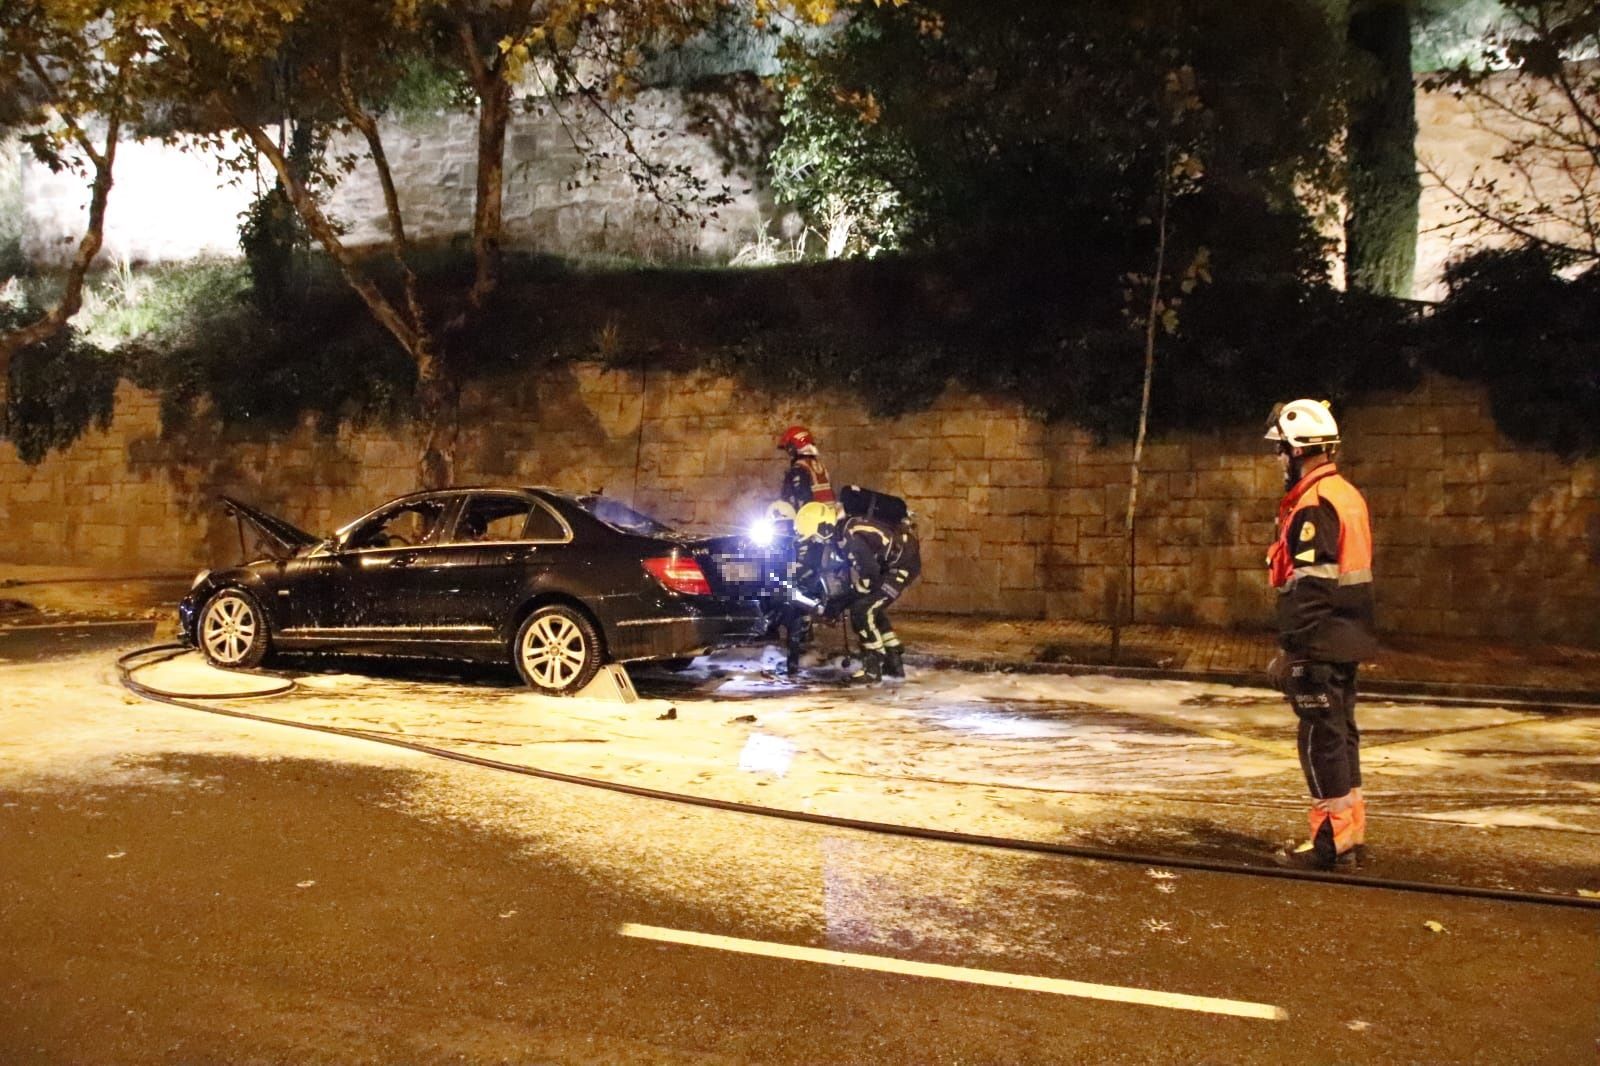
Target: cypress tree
1381, 227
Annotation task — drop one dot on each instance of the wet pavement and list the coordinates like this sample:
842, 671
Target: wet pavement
185, 887
287, 906
1498, 797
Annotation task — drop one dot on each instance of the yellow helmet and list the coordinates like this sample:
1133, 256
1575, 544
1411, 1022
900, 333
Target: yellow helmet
816, 521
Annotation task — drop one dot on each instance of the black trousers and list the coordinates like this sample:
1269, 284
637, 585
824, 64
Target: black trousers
1323, 696
869, 613
795, 622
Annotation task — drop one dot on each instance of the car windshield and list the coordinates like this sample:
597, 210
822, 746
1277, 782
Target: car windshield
620, 516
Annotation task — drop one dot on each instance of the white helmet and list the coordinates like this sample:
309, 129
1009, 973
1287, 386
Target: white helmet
780, 511
1303, 424
816, 521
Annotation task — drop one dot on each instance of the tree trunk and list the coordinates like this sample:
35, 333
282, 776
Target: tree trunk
437, 402
488, 79
1381, 229
438, 416
494, 114
1152, 323
55, 320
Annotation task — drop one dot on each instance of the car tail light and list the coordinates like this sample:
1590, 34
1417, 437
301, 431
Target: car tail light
679, 574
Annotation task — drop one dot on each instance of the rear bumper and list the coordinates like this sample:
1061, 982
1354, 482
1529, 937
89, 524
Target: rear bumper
678, 635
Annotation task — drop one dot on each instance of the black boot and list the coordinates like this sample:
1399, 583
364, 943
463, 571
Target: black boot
871, 668
893, 662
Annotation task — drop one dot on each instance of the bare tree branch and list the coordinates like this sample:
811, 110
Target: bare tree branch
399, 243
71, 301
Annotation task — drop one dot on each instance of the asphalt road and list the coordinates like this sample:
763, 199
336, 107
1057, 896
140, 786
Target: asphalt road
294, 911
34, 641
368, 907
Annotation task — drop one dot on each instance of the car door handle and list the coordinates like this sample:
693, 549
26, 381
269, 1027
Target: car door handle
518, 555
404, 559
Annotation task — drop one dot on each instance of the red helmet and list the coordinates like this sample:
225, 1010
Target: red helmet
795, 438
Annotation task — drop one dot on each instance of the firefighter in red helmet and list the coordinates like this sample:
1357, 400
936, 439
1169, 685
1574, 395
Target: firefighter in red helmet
806, 480
1321, 566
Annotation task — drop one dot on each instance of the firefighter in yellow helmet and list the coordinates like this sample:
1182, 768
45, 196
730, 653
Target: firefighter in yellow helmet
1320, 564
883, 560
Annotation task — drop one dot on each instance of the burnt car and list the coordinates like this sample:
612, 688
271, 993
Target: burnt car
557, 584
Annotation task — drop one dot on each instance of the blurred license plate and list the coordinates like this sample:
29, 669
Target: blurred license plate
741, 571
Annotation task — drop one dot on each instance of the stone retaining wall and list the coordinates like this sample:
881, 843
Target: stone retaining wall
1459, 140
1476, 537
170, 204
10, 206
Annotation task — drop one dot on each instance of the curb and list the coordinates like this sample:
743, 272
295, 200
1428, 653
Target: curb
1443, 692
23, 582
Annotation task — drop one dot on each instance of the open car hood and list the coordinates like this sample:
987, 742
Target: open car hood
284, 539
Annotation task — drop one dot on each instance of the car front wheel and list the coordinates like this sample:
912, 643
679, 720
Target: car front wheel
233, 630
557, 650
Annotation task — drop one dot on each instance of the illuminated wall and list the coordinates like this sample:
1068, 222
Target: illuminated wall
168, 204
10, 206
1456, 139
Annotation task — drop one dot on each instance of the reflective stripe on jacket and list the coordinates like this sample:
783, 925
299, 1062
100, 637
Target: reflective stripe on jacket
878, 553
1321, 565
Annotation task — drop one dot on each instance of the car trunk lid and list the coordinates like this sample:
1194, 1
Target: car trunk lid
737, 568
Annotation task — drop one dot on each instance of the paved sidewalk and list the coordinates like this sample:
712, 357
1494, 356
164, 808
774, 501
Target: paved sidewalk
1436, 665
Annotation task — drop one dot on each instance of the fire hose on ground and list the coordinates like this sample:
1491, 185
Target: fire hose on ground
129, 663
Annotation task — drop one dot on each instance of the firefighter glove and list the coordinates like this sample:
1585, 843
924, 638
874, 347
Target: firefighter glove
835, 607
1278, 672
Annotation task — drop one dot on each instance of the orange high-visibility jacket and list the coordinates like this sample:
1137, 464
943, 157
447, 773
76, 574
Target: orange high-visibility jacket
1321, 565
806, 481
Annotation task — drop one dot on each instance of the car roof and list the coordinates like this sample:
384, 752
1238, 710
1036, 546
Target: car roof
457, 490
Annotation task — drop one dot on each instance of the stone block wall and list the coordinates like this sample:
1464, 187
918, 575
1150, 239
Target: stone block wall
169, 204
10, 205
1458, 139
1475, 536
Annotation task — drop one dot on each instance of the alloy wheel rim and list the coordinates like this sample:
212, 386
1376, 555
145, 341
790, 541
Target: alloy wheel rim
554, 651
229, 630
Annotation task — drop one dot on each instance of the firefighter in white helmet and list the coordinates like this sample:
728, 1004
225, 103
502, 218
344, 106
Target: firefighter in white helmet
883, 560
1320, 564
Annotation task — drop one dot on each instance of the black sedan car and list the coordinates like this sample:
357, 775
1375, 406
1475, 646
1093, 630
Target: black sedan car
558, 584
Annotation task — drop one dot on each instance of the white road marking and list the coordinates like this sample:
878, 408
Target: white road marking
1027, 982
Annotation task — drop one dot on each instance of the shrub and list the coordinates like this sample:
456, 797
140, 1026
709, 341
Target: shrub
56, 390
1515, 323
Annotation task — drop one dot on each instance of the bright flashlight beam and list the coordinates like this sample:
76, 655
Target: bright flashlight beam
761, 533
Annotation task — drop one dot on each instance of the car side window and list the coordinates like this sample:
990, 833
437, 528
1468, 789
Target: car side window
398, 527
493, 518
543, 525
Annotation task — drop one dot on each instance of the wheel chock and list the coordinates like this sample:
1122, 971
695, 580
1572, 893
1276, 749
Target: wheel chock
612, 684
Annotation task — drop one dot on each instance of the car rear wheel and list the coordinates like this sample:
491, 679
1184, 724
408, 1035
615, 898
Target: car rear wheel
233, 630
557, 649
